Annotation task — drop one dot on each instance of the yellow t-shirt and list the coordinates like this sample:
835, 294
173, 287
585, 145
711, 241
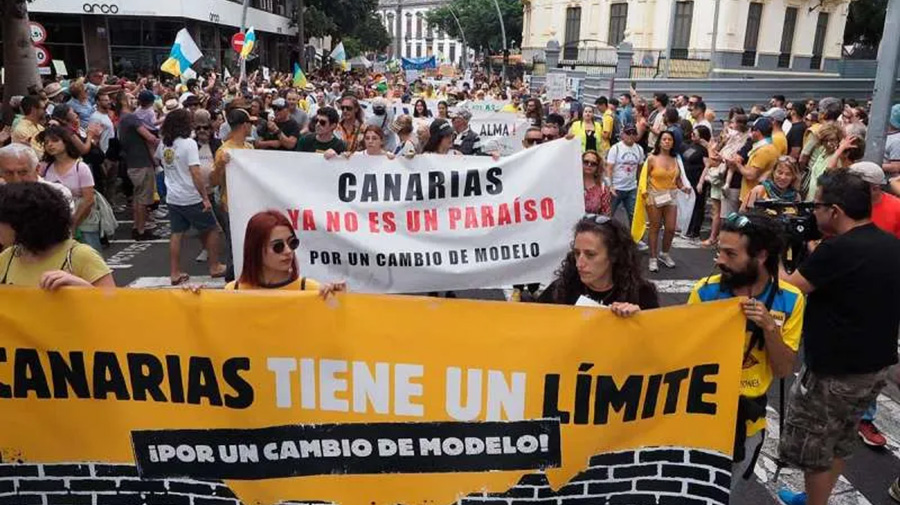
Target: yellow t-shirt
608, 125
787, 310
764, 159
84, 262
301, 284
26, 132
779, 140
219, 164
509, 108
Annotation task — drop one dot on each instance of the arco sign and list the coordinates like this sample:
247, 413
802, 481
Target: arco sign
90, 8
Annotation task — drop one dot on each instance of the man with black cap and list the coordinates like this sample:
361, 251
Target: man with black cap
762, 158
281, 133
622, 163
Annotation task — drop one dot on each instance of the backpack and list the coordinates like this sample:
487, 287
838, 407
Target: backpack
617, 129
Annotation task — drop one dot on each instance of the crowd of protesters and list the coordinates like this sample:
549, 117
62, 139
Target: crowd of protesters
162, 149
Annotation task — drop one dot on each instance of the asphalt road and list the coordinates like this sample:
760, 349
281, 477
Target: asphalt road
869, 473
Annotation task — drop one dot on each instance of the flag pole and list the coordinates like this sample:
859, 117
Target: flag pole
243, 62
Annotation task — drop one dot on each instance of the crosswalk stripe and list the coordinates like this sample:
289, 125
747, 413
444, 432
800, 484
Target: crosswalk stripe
204, 281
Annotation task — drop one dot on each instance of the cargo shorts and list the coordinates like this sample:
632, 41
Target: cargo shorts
822, 417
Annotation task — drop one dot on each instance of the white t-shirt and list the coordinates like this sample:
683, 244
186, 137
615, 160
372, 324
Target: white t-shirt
108, 128
705, 123
177, 160
892, 149
626, 161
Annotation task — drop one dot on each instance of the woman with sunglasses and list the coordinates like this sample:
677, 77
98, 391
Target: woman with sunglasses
597, 197
663, 181
270, 260
350, 127
603, 267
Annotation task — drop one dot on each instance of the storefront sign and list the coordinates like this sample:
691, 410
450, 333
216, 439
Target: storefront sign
90, 8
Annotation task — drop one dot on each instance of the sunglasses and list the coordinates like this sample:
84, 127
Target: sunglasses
346, 108
590, 164
323, 122
532, 142
279, 245
598, 218
739, 221
203, 128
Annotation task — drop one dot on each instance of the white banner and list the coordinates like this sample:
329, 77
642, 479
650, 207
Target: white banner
556, 86
433, 223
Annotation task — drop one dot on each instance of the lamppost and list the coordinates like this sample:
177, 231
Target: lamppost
465, 51
503, 34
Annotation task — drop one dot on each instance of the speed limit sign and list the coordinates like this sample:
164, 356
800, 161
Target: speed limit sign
42, 55
38, 33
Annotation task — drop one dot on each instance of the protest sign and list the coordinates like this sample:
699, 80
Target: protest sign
501, 132
556, 86
273, 398
427, 224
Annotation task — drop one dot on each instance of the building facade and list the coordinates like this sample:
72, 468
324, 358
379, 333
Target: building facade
772, 35
417, 38
127, 36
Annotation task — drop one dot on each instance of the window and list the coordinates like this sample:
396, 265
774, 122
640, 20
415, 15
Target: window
684, 17
430, 31
408, 26
573, 33
751, 37
819, 42
418, 50
787, 37
390, 23
408, 53
452, 53
618, 20
418, 25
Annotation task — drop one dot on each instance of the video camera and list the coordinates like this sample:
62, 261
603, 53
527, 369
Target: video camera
798, 225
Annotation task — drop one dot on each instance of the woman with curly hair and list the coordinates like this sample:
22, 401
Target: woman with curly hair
186, 194
36, 224
602, 266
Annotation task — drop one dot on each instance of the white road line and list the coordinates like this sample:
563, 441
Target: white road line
674, 286
204, 281
132, 241
121, 267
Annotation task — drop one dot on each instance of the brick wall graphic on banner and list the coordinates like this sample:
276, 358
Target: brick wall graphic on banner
277, 398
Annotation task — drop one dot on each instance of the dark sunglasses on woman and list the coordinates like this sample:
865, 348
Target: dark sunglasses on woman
278, 245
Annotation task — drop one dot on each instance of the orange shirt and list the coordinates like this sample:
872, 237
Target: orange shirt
886, 214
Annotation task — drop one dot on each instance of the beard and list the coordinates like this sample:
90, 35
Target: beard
732, 279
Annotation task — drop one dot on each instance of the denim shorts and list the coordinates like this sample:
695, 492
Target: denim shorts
822, 416
185, 217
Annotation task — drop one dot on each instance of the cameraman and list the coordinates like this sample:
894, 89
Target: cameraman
850, 336
749, 252
382, 118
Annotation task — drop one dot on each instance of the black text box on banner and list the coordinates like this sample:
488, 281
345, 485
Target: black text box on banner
363, 448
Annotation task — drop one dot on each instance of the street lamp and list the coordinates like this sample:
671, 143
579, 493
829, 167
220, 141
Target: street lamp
502, 33
465, 50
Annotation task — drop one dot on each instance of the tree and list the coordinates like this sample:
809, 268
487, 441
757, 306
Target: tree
342, 19
865, 23
479, 22
19, 60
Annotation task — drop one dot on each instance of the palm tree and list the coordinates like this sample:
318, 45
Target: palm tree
19, 60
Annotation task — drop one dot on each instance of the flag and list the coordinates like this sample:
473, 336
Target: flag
249, 42
381, 84
340, 56
183, 54
299, 77
227, 74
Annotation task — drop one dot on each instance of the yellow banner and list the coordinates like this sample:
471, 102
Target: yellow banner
263, 398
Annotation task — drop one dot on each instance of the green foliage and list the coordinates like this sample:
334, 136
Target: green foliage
347, 19
865, 22
479, 22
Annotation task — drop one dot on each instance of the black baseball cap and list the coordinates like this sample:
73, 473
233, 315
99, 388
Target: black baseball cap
237, 117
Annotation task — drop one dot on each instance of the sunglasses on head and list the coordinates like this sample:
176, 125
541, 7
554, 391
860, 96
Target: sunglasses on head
598, 218
279, 245
739, 221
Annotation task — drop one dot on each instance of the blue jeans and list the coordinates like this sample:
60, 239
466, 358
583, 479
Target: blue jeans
92, 238
869, 414
626, 198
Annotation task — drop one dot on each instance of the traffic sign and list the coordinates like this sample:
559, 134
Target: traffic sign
42, 55
38, 32
237, 42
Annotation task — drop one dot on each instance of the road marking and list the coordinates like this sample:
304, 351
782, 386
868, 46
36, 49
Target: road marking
132, 241
120, 267
674, 286
204, 281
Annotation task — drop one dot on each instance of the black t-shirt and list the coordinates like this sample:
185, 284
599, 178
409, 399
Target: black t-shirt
737, 179
135, 152
853, 314
590, 140
290, 128
693, 161
647, 296
795, 135
310, 144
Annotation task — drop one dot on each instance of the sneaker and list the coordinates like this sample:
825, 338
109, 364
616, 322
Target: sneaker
788, 497
894, 490
203, 256
654, 267
143, 237
160, 213
642, 246
150, 225
667, 260
870, 434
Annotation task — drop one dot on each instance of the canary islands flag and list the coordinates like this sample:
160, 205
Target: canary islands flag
340, 56
299, 77
249, 42
183, 54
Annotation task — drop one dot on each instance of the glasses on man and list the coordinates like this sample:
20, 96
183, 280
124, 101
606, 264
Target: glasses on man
323, 122
278, 246
203, 128
534, 141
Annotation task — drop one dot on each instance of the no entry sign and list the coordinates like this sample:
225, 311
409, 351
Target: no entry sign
237, 42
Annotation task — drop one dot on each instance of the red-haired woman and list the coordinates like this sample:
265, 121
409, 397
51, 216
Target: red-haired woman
270, 261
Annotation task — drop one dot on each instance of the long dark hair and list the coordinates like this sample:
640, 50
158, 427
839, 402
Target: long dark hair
657, 149
426, 113
177, 125
438, 132
628, 277
59, 133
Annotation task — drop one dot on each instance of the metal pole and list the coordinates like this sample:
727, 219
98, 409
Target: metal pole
465, 51
715, 38
502, 33
398, 51
301, 34
671, 39
885, 80
244, 27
